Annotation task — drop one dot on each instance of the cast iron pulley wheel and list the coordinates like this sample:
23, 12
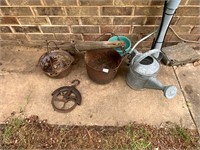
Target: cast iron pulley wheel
66, 98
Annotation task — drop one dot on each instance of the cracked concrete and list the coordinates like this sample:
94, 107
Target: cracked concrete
189, 77
25, 87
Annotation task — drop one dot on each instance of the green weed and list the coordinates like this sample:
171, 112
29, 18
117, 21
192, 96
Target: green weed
27, 100
182, 133
7, 133
139, 139
137, 144
13, 125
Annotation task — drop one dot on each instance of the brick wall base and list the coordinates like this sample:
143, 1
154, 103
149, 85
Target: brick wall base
26, 21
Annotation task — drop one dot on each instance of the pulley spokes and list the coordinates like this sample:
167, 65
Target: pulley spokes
66, 98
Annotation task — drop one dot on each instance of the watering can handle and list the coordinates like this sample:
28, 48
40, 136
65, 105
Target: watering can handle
143, 56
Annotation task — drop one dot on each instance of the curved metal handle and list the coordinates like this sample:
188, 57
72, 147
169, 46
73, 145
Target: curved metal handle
75, 82
122, 59
111, 33
48, 43
143, 56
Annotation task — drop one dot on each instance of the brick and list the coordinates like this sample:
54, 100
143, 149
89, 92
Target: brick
191, 37
3, 3
141, 35
64, 20
168, 35
113, 11
8, 42
128, 20
157, 2
82, 11
35, 43
131, 2
68, 37
183, 2
8, 20
193, 2
148, 11
55, 29
144, 30
153, 21
95, 2
5, 29
33, 20
24, 2
116, 29
132, 37
26, 29
145, 44
13, 36
50, 11
157, 21
173, 21
96, 20
187, 11
60, 2
41, 37
181, 29
92, 37
85, 29
195, 30
16, 11
189, 21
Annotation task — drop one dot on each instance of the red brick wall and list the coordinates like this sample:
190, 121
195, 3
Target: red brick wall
33, 21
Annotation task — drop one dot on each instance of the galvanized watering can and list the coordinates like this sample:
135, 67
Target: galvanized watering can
142, 73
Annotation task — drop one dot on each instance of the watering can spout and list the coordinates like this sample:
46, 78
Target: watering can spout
153, 83
169, 91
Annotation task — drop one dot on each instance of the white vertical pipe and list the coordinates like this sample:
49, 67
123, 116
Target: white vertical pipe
171, 7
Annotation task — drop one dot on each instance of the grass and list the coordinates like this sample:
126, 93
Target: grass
33, 133
27, 100
182, 133
13, 126
139, 138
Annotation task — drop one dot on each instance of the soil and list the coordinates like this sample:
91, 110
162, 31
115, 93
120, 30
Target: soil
102, 62
33, 133
103, 59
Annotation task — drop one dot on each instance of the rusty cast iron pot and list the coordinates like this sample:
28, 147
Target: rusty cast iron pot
102, 65
56, 63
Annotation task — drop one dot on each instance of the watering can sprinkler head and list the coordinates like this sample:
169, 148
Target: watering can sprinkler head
168, 91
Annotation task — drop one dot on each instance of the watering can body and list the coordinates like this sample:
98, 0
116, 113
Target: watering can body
143, 71
143, 67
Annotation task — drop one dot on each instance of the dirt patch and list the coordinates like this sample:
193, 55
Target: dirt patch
32, 133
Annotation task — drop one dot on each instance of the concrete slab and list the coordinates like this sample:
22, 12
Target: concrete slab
111, 104
189, 77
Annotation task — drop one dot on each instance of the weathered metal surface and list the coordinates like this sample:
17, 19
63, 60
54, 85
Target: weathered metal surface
56, 64
79, 45
94, 45
102, 65
66, 98
143, 71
